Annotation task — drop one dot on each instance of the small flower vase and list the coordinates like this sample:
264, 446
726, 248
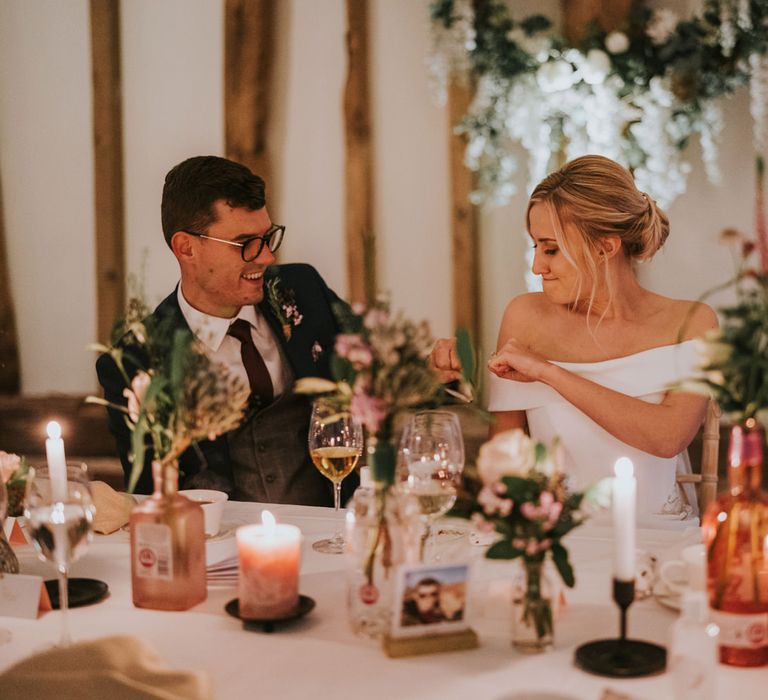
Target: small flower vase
167, 546
383, 531
9, 563
532, 620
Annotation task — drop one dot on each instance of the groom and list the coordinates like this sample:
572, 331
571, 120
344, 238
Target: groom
268, 324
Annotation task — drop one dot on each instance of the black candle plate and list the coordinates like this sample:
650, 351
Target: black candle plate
80, 591
621, 658
304, 606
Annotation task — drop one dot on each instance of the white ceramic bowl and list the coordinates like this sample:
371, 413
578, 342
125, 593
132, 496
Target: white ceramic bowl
212, 503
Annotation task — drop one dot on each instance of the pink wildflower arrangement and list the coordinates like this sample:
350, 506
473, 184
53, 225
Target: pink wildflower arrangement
525, 498
379, 369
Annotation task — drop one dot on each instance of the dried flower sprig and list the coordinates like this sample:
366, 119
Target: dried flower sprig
176, 394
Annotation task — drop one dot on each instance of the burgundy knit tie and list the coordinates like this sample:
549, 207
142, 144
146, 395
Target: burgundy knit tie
258, 375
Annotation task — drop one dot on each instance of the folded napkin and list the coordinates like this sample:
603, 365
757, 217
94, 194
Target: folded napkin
118, 668
112, 507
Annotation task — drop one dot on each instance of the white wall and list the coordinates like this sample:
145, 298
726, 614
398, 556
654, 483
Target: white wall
172, 52
46, 171
172, 63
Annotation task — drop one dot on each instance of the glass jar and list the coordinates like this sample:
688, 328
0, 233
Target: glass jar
383, 532
532, 608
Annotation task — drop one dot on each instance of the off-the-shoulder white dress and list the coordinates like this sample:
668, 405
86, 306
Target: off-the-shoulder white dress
589, 451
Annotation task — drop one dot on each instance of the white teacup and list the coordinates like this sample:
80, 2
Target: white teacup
212, 503
689, 573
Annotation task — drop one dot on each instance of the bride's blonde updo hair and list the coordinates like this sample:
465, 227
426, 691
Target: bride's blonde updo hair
592, 197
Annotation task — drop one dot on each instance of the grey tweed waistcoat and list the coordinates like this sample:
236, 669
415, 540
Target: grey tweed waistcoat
269, 458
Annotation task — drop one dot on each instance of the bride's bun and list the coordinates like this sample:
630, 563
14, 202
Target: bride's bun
598, 198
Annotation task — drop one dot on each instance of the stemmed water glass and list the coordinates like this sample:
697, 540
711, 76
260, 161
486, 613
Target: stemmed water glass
335, 445
431, 459
59, 515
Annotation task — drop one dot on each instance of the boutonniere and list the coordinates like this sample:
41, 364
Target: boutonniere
283, 303
317, 350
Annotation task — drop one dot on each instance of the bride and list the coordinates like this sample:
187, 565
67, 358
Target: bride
590, 358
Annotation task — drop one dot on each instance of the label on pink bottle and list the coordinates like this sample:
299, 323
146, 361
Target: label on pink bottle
741, 631
153, 551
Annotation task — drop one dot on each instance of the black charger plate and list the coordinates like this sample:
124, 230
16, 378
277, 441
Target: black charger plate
81, 591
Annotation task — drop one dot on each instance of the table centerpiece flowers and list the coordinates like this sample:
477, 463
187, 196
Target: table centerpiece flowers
526, 500
380, 370
13, 479
176, 395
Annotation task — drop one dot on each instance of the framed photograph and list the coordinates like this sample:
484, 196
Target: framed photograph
430, 599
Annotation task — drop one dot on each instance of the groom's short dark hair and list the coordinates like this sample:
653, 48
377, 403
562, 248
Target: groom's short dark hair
195, 184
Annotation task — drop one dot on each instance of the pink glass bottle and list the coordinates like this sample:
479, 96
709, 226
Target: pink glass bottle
735, 528
167, 547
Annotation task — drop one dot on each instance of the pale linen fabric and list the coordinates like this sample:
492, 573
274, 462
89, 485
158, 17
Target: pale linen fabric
112, 507
112, 668
589, 451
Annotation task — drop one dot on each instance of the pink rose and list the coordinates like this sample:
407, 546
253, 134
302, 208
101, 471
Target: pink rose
353, 348
369, 410
9, 463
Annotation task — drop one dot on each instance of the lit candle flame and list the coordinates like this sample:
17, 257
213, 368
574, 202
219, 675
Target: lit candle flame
54, 430
624, 469
267, 519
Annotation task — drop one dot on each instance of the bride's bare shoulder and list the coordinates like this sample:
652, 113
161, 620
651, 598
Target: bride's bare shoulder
690, 319
519, 315
524, 305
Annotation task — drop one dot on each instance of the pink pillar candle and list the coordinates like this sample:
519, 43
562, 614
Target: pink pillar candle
268, 578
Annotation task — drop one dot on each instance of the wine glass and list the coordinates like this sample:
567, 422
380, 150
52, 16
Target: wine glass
335, 445
59, 512
431, 461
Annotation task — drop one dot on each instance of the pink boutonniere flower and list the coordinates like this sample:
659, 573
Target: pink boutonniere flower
283, 304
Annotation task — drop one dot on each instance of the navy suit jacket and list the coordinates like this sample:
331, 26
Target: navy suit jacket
308, 351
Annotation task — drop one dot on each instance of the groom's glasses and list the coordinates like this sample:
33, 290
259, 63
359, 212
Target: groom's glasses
251, 247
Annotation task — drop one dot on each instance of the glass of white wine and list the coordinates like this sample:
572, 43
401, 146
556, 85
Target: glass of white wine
59, 515
335, 446
431, 462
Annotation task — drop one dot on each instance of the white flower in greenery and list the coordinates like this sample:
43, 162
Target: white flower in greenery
617, 42
135, 395
709, 352
314, 385
595, 68
554, 76
511, 453
9, 463
661, 26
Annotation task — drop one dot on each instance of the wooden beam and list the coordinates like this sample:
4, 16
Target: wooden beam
108, 165
10, 381
249, 31
577, 14
361, 248
464, 228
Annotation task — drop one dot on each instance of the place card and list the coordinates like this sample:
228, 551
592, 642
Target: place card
23, 596
13, 532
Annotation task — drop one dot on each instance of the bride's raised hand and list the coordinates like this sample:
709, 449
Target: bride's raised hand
445, 360
514, 361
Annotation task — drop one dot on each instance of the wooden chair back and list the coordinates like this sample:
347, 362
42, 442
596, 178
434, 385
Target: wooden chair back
706, 478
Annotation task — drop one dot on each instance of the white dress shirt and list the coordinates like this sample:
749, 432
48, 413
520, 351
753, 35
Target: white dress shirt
212, 332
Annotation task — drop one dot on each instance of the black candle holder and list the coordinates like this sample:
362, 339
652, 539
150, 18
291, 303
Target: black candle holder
622, 657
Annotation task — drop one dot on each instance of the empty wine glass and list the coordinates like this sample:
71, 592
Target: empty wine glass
59, 512
430, 464
335, 445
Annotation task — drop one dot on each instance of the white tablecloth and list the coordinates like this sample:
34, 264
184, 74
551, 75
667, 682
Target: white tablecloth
319, 655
